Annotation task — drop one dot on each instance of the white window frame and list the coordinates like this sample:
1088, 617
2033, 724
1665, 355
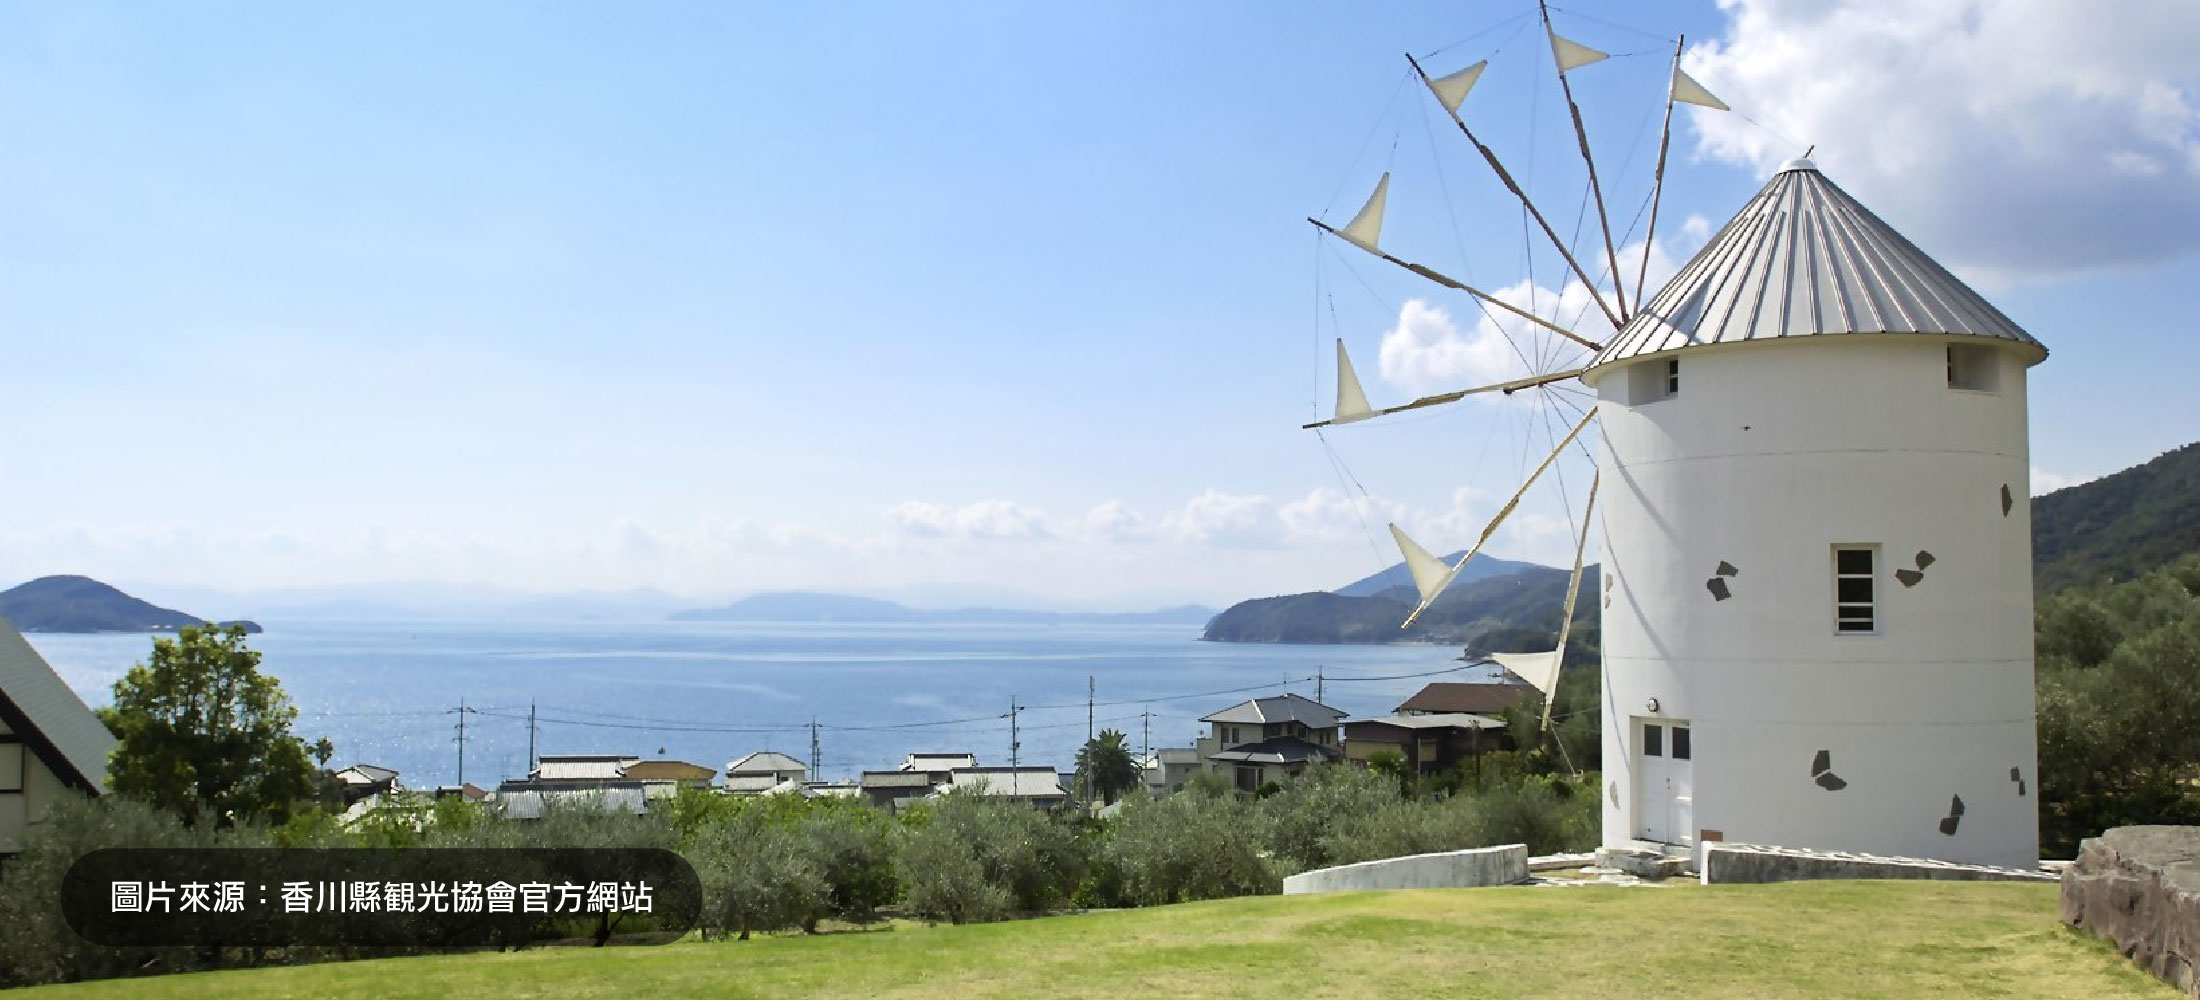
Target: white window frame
1871, 604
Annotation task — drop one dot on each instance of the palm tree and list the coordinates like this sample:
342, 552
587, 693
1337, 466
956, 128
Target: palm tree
1106, 766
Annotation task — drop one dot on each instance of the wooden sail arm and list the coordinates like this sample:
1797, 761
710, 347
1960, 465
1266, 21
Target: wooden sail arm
1440, 399
1505, 176
1449, 282
1573, 590
1504, 512
1657, 184
1581, 136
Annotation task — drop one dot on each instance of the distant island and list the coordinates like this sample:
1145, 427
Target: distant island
805, 606
82, 604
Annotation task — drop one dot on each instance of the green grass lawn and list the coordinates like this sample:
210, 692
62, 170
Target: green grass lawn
1810, 939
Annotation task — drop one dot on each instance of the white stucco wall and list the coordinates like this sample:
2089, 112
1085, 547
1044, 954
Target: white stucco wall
1771, 454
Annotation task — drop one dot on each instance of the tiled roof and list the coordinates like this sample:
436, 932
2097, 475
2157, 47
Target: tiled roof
1281, 708
1276, 750
1014, 782
765, 762
1479, 699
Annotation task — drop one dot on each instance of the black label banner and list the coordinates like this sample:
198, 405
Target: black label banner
431, 898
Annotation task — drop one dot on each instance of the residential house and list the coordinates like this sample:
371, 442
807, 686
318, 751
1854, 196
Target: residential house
1430, 743
1444, 698
51, 744
574, 771
1039, 786
360, 781
1169, 767
1267, 739
620, 798
762, 772
891, 789
679, 773
939, 765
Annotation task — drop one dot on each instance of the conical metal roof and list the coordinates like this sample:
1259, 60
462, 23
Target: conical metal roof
1803, 258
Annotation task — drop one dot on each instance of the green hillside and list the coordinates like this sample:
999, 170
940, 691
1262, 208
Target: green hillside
1804, 939
2119, 526
1511, 612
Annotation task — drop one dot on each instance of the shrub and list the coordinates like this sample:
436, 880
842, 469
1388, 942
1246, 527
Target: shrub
38, 945
757, 876
1187, 847
854, 845
973, 857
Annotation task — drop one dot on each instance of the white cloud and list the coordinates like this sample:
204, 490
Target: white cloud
1117, 521
1225, 520
983, 519
1326, 514
1426, 352
2045, 482
2006, 136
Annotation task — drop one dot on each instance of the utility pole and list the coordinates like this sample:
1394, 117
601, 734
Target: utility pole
530, 738
1318, 682
815, 759
1013, 744
1146, 724
1089, 689
461, 741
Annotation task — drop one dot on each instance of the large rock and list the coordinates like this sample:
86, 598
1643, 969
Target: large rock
1445, 870
2139, 886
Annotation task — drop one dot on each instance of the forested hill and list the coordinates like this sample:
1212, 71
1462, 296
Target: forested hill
2119, 526
82, 604
1509, 612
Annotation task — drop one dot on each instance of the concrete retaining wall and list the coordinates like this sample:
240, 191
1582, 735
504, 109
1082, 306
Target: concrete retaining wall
1759, 863
1446, 870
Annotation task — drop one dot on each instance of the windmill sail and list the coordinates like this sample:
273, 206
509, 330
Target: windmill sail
1430, 575
1538, 669
1365, 227
1687, 91
1351, 401
1452, 90
1571, 54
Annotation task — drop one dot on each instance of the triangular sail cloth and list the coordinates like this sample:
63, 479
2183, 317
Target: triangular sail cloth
1366, 227
1452, 90
1687, 91
1571, 54
1351, 401
1430, 575
1538, 669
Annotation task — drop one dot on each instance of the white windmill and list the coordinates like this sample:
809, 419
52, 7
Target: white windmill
1812, 455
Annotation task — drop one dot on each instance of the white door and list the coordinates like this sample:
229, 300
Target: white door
1680, 782
1665, 771
1651, 797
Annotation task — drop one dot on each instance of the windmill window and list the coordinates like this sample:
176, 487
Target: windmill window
1650, 381
1855, 584
1973, 368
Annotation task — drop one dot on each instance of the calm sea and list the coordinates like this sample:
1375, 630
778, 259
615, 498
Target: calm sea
709, 692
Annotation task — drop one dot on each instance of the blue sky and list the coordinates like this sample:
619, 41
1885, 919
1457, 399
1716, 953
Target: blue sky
970, 298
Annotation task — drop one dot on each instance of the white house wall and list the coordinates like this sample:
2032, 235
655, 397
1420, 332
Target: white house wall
1771, 454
